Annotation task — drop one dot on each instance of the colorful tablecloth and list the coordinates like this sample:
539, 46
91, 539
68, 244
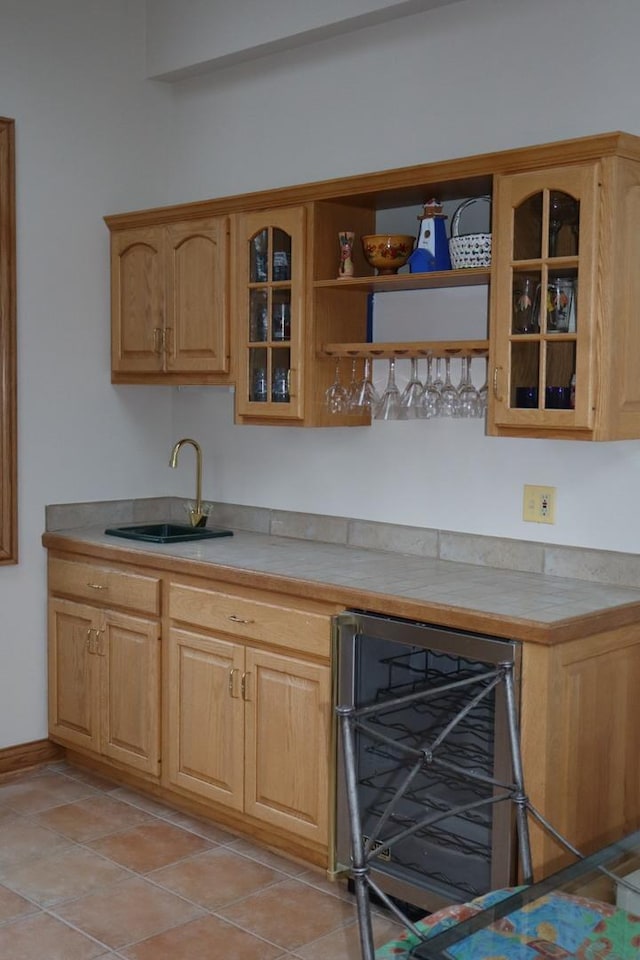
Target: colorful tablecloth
556, 926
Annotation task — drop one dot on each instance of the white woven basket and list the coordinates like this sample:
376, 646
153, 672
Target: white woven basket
469, 249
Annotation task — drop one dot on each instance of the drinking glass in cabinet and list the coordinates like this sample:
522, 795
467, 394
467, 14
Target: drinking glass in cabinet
281, 317
258, 378
527, 228
558, 309
258, 259
564, 224
258, 316
281, 264
525, 368
524, 315
280, 388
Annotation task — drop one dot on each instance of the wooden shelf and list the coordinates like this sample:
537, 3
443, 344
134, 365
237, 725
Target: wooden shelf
471, 277
385, 351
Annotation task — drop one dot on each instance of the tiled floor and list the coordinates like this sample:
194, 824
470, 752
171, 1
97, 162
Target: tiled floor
92, 870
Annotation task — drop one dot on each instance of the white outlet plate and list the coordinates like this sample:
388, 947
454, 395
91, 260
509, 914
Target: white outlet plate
539, 504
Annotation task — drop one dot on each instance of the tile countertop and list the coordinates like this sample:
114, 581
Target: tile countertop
525, 606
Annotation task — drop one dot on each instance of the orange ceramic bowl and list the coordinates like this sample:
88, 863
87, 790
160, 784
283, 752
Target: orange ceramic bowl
387, 252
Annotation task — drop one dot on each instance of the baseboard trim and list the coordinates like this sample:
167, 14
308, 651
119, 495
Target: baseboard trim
25, 755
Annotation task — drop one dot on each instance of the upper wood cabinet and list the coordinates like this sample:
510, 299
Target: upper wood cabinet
565, 334
561, 331
169, 302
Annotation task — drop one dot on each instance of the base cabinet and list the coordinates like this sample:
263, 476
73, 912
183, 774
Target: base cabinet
104, 664
250, 728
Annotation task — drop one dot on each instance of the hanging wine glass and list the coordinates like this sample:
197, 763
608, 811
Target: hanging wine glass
438, 382
468, 398
411, 397
352, 389
430, 403
448, 393
389, 407
337, 396
366, 397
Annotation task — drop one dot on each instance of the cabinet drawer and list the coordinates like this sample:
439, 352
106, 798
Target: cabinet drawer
279, 625
105, 585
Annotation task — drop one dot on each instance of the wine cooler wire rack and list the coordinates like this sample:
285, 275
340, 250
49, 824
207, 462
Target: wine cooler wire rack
410, 712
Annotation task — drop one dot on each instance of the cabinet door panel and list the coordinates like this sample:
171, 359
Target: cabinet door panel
73, 674
137, 299
129, 649
197, 317
288, 720
206, 717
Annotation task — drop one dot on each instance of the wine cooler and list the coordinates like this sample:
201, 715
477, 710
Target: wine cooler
428, 687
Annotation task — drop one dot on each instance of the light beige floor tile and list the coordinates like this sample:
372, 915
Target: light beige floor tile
13, 906
205, 939
62, 876
319, 880
44, 938
41, 792
310, 914
275, 860
144, 803
204, 828
132, 910
22, 840
150, 846
92, 818
217, 877
344, 944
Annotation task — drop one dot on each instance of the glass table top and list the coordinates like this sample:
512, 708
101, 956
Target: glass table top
588, 911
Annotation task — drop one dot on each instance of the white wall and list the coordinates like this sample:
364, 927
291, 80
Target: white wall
89, 132
472, 77
95, 137
195, 36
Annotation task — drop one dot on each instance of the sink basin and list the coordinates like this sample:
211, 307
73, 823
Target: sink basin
167, 532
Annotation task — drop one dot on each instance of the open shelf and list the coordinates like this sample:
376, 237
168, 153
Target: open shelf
471, 277
385, 351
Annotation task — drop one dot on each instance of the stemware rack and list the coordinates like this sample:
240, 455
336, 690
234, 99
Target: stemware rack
408, 349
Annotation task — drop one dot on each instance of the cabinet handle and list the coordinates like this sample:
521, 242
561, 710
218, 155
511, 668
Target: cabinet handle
232, 685
96, 586
88, 644
495, 383
167, 335
157, 340
236, 619
244, 686
99, 643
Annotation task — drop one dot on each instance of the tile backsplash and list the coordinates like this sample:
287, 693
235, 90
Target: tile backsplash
598, 566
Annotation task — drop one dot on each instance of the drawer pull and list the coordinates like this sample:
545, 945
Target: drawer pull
96, 586
236, 619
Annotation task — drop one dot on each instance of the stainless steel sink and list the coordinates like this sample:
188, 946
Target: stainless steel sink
166, 532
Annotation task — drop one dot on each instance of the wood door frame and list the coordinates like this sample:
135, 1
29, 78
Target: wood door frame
8, 389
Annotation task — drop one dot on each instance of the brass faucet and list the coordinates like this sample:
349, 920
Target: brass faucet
197, 515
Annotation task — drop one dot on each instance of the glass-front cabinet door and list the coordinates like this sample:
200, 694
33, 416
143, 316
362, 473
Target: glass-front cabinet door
269, 316
543, 300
